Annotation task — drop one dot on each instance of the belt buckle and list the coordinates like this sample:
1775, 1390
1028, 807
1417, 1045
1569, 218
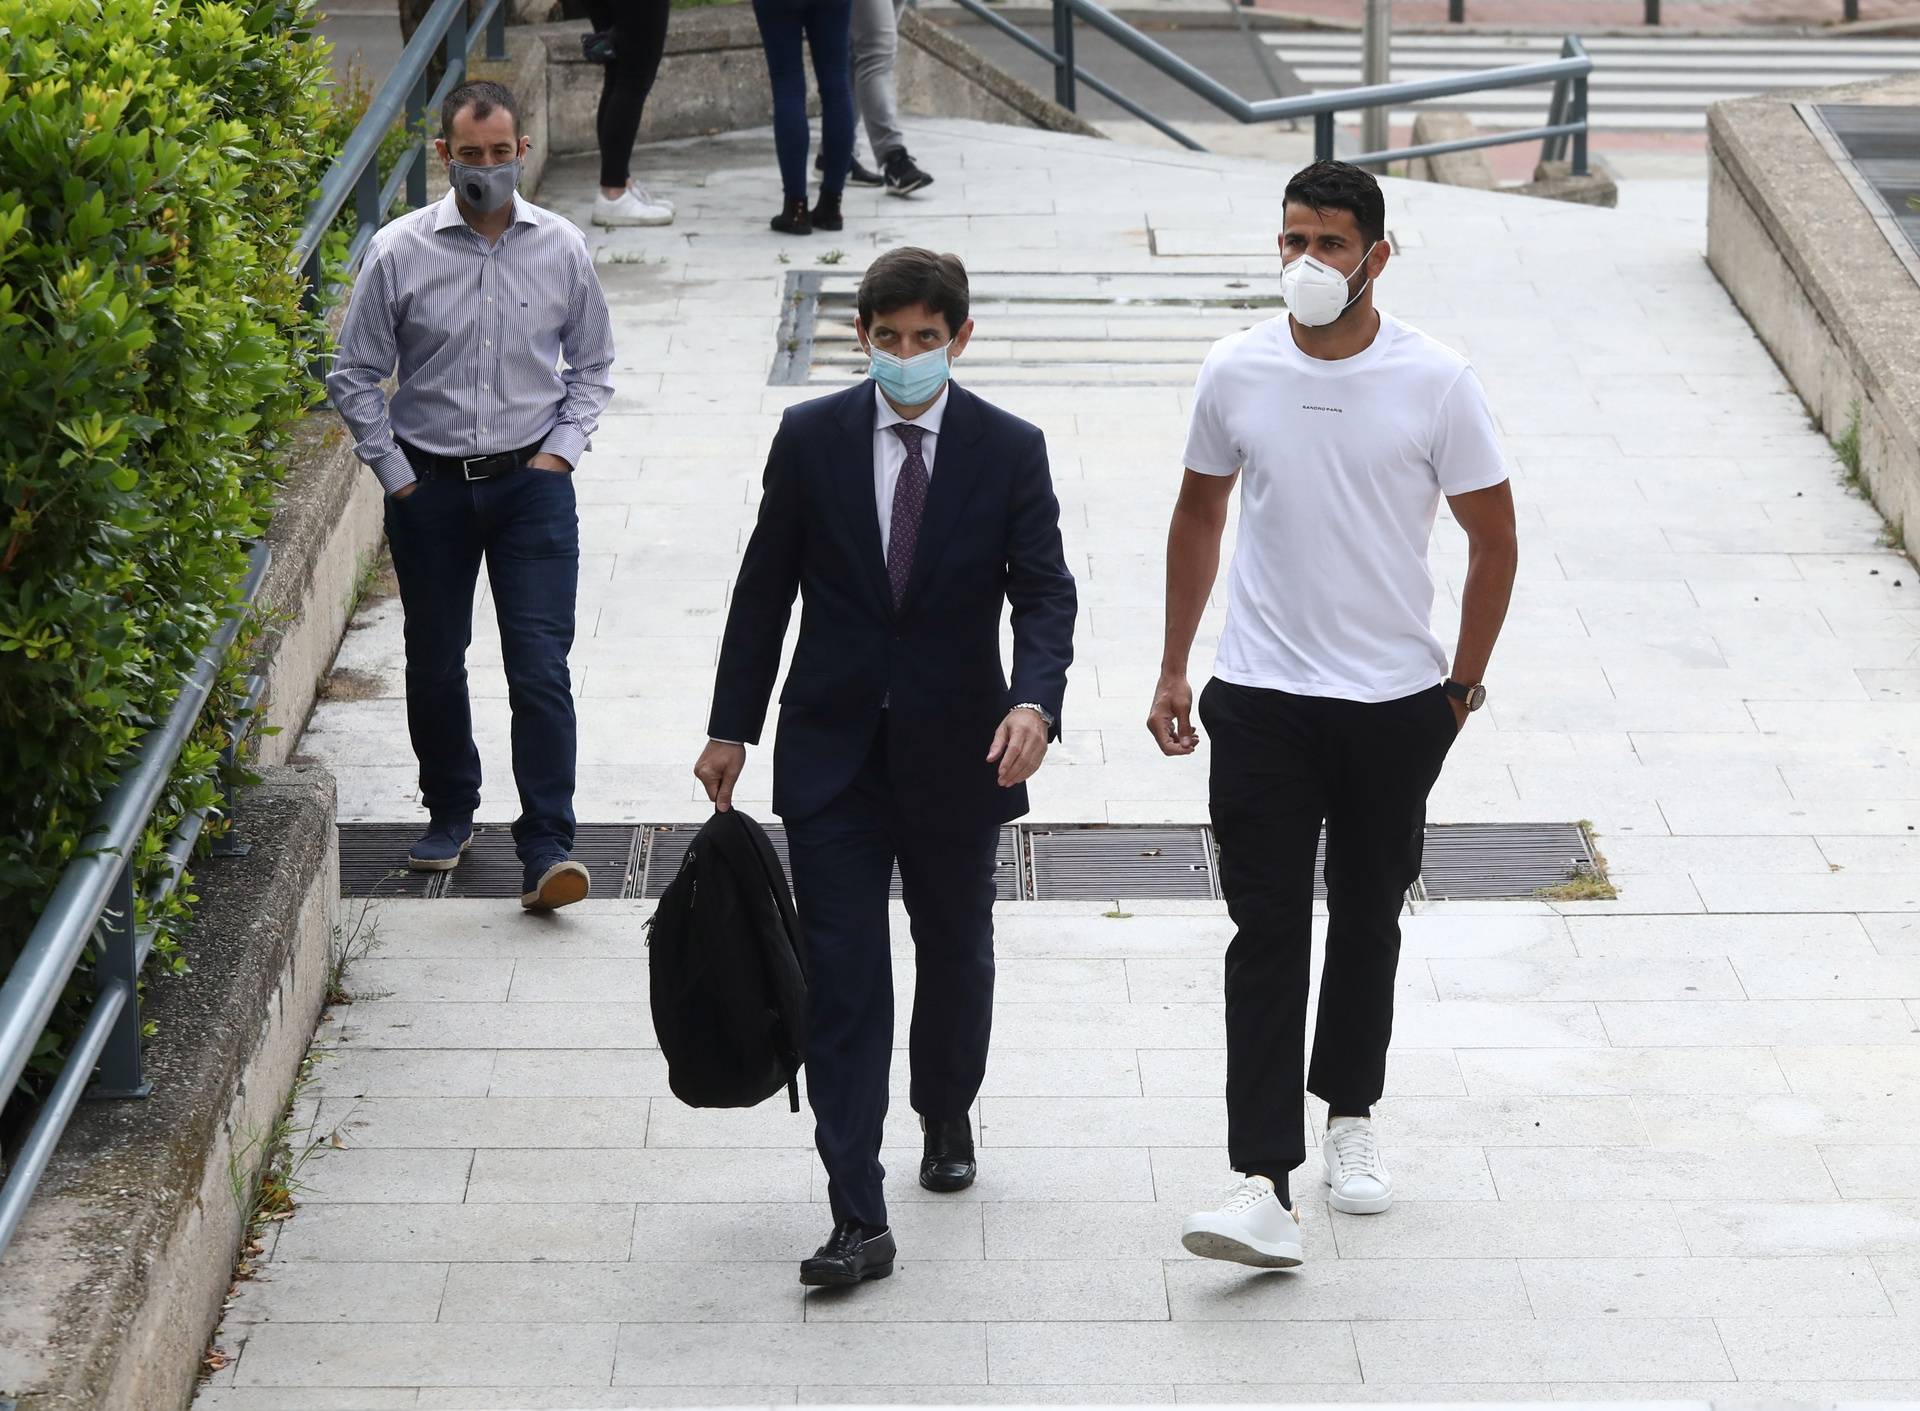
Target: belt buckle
467, 465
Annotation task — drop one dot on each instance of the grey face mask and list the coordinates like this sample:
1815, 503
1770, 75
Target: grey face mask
486, 189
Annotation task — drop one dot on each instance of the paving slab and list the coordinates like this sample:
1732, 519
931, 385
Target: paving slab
1626, 1135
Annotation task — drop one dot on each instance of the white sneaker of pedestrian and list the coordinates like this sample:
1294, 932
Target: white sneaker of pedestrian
1252, 1227
650, 197
1355, 1172
629, 209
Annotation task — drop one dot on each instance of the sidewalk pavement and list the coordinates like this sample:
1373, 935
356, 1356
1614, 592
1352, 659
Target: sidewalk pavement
1656, 1147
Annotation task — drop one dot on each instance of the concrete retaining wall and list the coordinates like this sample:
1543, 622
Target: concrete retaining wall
325, 533
713, 78
116, 1279
1802, 257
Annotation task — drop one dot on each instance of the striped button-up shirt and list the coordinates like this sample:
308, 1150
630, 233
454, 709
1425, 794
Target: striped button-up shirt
476, 331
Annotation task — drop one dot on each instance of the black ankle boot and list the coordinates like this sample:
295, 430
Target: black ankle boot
826, 212
793, 218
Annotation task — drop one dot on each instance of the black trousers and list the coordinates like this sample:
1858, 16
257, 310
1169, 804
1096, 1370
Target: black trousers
639, 39
1281, 766
842, 860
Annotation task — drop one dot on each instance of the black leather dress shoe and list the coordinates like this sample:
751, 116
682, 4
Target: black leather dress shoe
849, 1256
946, 1163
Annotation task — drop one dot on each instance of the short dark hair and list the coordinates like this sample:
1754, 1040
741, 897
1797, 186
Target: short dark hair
911, 275
483, 96
1341, 186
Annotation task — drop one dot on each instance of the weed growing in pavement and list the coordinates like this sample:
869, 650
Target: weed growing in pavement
1589, 881
348, 945
1847, 447
833, 257
1892, 531
282, 1151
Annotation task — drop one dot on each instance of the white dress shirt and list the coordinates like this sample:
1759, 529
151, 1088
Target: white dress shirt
890, 454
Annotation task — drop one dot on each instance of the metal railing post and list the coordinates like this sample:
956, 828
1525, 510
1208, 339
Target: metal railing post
1063, 87
366, 198
1551, 147
119, 964
1580, 116
1376, 68
454, 51
417, 163
1322, 137
497, 32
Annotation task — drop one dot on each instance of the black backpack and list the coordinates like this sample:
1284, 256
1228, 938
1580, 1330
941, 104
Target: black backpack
728, 971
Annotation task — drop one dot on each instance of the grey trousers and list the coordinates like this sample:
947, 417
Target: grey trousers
876, 39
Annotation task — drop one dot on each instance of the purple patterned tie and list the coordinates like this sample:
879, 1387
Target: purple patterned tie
909, 499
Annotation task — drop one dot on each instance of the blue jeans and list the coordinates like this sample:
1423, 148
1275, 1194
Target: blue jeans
824, 25
524, 525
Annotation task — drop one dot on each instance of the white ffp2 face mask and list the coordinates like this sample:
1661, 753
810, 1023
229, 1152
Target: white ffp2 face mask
1317, 293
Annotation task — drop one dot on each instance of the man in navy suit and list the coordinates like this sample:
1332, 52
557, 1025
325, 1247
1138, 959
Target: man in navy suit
907, 513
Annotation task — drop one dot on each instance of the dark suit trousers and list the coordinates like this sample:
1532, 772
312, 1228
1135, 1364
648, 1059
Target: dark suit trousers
842, 860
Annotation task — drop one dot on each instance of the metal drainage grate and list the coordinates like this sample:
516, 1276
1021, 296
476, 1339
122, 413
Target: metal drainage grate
1141, 329
373, 862
491, 868
1877, 148
1094, 862
1490, 860
1100, 863
668, 848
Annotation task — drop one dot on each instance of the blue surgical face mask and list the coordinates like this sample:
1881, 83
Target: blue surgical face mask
910, 381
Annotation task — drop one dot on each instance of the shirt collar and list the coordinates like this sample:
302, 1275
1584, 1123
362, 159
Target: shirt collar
928, 420
447, 213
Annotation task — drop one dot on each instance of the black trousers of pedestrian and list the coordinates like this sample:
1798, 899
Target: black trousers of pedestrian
842, 860
1282, 765
639, 39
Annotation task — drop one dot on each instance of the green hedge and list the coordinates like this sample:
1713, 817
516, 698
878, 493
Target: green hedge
156, 159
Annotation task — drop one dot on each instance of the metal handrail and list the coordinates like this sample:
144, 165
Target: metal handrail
355, 173
97, 886
1571, 69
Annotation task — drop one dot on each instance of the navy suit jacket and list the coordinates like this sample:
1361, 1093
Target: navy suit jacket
989, 537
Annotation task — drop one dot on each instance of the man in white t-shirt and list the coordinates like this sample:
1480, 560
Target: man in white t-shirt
1331, 701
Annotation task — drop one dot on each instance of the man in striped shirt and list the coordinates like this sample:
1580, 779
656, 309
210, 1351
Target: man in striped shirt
474, 301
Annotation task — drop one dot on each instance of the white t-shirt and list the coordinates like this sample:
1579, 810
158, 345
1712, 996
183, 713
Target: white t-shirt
1344, 464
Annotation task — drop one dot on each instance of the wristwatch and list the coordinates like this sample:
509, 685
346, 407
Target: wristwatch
1038, 710
1472, 697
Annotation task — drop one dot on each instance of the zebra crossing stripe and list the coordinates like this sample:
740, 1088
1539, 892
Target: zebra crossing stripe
1644, 84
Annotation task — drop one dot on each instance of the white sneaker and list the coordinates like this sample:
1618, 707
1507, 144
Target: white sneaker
1355, 1173
628, 208
649, 197
1253, 1227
